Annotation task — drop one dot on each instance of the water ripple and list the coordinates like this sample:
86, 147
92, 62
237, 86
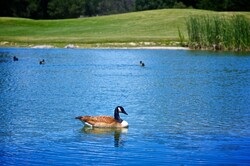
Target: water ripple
184, 107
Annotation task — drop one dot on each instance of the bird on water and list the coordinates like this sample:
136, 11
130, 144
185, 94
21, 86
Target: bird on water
106, 121
142, 64
42, 62
15, 58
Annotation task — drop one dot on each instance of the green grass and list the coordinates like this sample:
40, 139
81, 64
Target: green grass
156, 27
219, 32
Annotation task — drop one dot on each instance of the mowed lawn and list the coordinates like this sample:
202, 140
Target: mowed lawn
159, 26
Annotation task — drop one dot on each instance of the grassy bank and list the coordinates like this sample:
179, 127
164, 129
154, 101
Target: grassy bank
215, 32
148, 28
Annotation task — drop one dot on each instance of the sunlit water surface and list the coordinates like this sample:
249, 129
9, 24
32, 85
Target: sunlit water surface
184, 107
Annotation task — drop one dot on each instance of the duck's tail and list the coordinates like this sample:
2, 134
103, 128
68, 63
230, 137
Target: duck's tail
82, 118
78, 117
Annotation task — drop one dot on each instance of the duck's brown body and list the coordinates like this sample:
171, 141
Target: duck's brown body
100, 121
105, 121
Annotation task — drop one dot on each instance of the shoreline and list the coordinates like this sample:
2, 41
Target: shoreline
71, 46
109, 47
174, 45
147, 48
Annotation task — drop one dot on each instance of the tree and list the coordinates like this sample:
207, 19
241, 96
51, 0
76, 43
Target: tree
59, 9
237, 5
224, 5
189, 3
153, 4
105, 7
179, 5
65, 8
6, 8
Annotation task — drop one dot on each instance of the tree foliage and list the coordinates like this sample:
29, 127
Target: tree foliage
105, 7
224, 5
153, 4
65, 9
56, 9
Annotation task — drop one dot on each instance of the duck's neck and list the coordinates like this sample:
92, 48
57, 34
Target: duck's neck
117, 116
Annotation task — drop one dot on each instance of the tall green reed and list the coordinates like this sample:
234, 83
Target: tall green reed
219, 32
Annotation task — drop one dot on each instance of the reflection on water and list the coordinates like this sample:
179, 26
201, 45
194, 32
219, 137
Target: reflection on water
115, 132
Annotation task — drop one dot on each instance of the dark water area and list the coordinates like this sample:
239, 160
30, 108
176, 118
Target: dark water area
184, 107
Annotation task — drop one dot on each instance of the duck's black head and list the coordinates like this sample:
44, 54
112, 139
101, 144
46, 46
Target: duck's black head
120, 109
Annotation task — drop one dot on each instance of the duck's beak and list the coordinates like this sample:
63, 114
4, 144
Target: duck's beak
123, 111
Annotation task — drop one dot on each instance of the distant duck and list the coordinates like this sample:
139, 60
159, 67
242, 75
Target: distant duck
42, 62
105, 121
142, 64
15, 58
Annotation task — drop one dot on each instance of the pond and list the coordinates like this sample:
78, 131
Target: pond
184, 107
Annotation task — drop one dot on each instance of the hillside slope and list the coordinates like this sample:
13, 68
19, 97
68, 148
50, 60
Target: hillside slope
155, 27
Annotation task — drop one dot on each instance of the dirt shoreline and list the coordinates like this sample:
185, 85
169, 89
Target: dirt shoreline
164, 48
110, 47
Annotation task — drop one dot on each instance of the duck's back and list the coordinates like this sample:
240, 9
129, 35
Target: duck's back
99, 121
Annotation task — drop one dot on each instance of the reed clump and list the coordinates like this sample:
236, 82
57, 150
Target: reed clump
219, 32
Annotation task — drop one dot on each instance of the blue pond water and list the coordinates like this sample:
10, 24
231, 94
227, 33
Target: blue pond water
184, 107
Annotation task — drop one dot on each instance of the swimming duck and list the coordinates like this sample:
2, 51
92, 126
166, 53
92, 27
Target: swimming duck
15, 58
106, 121
142, 64
42, 62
